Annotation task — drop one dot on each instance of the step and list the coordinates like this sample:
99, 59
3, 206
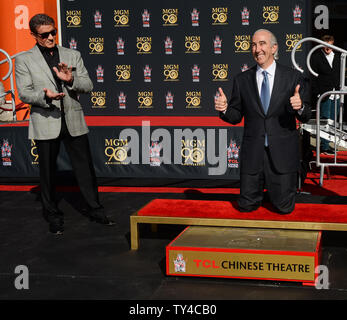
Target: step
246, 253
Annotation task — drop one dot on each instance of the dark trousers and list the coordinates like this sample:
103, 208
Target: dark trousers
281, 188
79, 153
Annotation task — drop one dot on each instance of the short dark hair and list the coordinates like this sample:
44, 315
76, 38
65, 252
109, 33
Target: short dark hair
39, 20
328, 38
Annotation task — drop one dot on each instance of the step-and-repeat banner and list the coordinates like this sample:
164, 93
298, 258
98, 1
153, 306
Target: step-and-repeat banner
169, 57
142, 151
161, 58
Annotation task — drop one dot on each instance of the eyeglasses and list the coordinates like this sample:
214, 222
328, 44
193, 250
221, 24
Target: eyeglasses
45, 35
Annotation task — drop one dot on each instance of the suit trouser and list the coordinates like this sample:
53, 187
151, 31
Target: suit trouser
281, 188
79, 153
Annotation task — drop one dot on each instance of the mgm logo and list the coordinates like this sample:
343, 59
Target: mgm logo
193, 152
144, 45
121, 17
171, 72
34, 153
192, 44
291, 40
96, 45
219, 16
98, 99
116, 151
73, 18
242, 43
193, 99
271, 14
123, 72
220, 72
170, 17
145, 99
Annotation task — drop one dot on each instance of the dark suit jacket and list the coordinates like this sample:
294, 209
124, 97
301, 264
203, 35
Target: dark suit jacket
279, 123
328, 77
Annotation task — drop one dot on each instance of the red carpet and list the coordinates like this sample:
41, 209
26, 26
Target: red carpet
228, 210
341, 157
335, 185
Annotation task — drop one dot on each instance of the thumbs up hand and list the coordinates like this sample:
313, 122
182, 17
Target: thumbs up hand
221, 103
295, 100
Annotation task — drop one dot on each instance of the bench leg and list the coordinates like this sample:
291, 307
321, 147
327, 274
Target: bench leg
134, 234
154, 227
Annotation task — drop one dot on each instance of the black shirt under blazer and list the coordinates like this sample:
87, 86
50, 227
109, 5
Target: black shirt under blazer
279, 123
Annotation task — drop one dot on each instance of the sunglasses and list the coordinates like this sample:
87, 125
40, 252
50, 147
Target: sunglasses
45, 35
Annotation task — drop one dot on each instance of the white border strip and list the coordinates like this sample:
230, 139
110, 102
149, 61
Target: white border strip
60, 42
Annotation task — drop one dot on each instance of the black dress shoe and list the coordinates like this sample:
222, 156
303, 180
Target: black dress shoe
328, 151
98, 215
56, 228
55, 220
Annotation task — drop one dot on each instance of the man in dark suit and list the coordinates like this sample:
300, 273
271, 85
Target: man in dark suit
50, 78
326, 63
270, 97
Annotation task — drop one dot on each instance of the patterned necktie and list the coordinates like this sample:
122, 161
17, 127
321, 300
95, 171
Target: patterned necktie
265, 98
265, 92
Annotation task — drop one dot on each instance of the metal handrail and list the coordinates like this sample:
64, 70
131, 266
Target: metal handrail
12, 57
309, 58
10, 66
325, 94
342, 92
9, 75
325, 44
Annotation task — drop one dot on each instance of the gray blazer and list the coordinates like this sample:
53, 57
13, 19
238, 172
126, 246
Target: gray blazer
33, 74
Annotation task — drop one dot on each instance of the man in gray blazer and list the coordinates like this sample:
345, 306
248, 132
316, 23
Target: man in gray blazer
50, 78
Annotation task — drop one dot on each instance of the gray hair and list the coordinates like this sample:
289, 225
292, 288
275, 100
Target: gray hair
273, 41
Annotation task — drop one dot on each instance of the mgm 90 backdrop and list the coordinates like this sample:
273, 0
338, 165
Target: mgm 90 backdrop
164, 59
168, 58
